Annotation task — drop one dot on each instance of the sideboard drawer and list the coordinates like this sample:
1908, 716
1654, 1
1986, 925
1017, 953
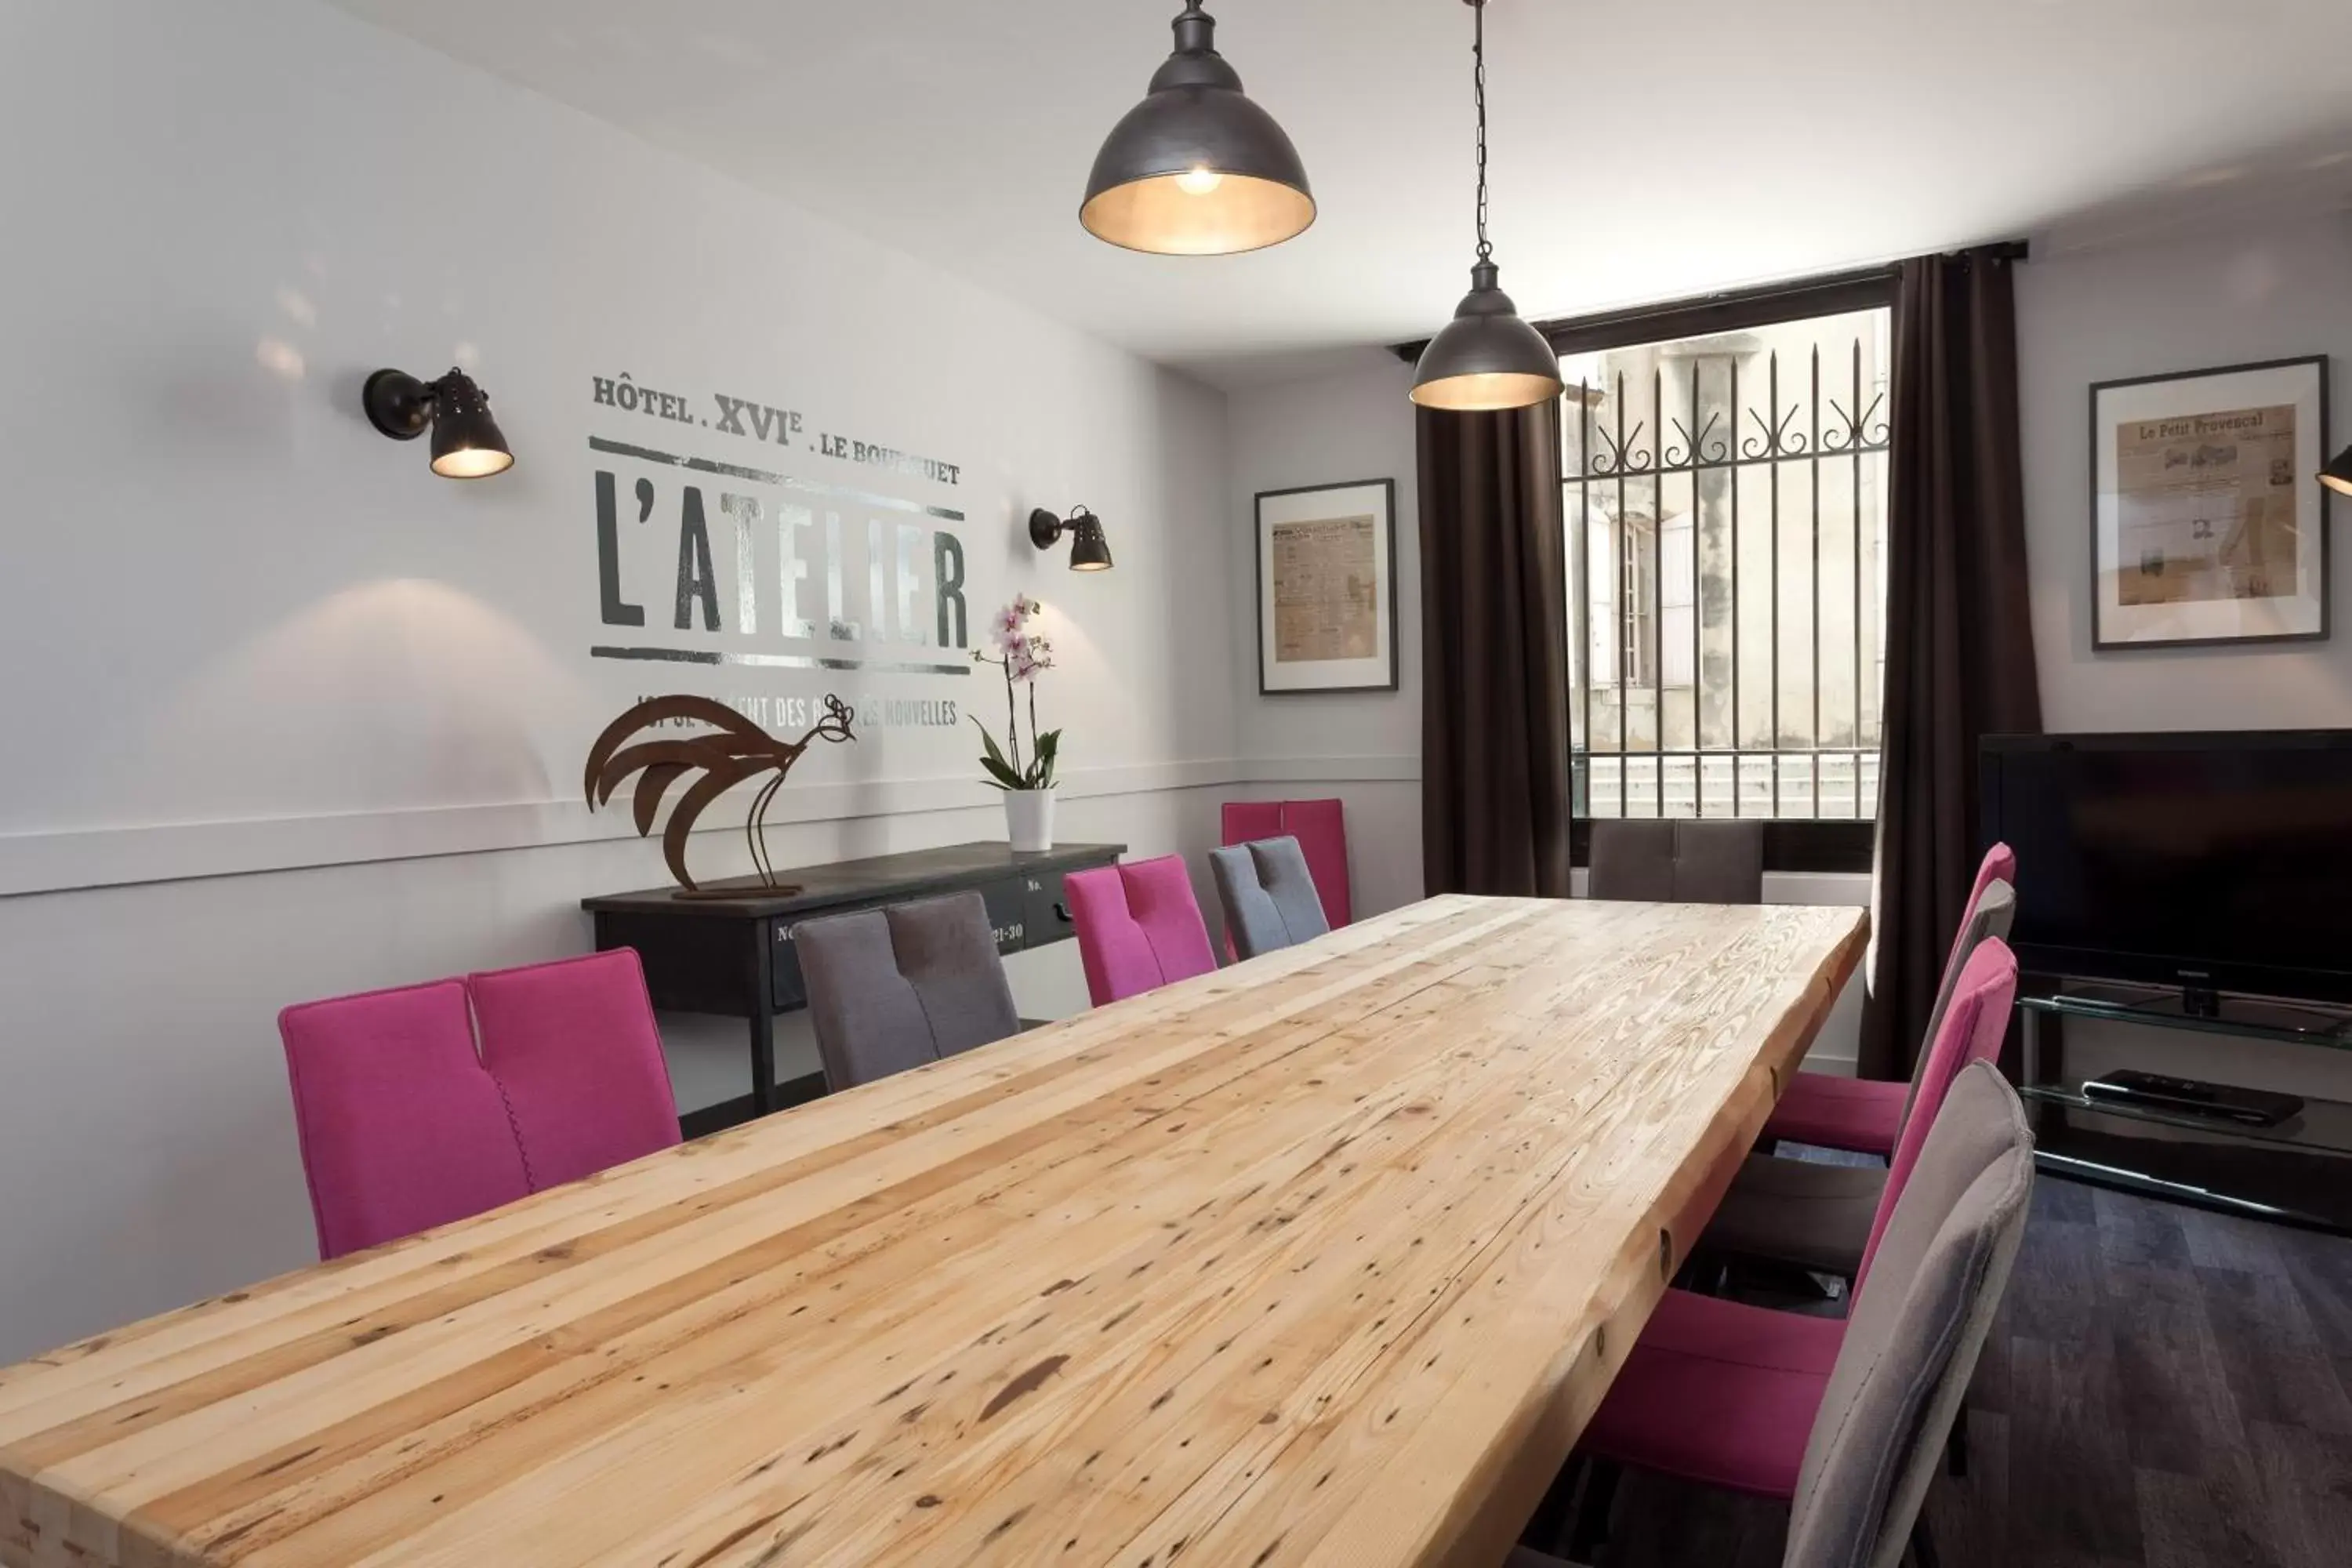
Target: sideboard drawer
1049, 908
1008, 913
784, 963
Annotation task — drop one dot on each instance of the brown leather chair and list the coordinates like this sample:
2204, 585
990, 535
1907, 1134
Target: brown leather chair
1678, 861
893, 988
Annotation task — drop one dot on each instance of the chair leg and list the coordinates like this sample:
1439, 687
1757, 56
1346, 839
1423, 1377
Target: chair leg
1770, 1275
1550, 1520
1956, 1446
1592, 1513
1703, 1273
1923, 1545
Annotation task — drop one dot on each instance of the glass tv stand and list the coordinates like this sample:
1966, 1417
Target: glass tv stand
2298, 1171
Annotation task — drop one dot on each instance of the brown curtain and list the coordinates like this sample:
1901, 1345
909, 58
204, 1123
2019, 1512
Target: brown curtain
1959, 642
1493, 616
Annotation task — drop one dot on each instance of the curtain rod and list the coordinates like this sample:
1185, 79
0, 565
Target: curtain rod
1699, 314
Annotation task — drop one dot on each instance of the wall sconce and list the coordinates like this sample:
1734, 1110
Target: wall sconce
1090, 550
465, 440
2337, 475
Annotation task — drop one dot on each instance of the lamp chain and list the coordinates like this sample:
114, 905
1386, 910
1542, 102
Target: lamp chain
1479, 57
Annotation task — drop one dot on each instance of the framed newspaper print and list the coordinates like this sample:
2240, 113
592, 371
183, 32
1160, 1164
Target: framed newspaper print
1326, 588
2207, 526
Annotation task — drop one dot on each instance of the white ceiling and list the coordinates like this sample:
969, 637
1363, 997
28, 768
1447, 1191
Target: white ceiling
1640, 151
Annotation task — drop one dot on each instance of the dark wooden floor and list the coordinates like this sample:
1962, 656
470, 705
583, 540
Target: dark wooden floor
2165, 1387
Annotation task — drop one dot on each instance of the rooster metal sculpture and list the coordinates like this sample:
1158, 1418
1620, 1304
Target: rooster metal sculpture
739, 749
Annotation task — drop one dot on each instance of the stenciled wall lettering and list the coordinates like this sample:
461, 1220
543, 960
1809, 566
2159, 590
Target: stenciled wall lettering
823, 575
773, 712
765, 422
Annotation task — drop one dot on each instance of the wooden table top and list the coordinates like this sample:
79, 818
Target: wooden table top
1324, 1259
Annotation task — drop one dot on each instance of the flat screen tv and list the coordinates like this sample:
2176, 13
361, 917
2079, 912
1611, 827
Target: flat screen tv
2210, 862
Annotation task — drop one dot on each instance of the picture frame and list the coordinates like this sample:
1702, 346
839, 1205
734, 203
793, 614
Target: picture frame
1326, 588
2208, 527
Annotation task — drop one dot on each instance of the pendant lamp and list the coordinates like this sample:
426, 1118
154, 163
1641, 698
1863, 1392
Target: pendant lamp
1196, 169
1485, 358
2337, 475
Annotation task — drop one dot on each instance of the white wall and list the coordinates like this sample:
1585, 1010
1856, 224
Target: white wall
2082, 317
1363, 747
2277, 293
2267, 292
221, 566
247, 634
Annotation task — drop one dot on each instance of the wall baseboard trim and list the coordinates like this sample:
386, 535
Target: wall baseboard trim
1333, 770
79, 859
171, 852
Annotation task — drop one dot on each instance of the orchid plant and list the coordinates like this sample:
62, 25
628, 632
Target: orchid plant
1021, 653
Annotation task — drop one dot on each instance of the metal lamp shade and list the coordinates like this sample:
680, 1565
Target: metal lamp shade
1486, 358
467, 443
2337, 475
1090, 550
1196, 169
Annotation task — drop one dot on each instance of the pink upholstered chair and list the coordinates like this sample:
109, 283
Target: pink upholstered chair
1725, 1393
1244, 820
1138, 927
572, 1044
1832, 1111
1970, 1031
401, 1128
1321, 828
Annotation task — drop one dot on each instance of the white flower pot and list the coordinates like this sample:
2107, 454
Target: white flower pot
1029, 818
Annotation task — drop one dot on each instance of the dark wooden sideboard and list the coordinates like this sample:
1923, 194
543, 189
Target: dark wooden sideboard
734, 956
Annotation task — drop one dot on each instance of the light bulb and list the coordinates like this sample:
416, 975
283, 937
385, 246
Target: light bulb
472, 463
1199, 182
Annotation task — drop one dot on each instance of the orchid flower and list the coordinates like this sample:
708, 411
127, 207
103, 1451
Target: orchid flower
1022, 655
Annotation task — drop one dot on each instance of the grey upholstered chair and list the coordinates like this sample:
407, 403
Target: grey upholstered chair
1818, 1215
1911, 1346
893, 988
1917, 1328
1678, 861
1268, 895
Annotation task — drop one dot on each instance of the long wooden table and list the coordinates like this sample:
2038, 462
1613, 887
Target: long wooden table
1324, 1259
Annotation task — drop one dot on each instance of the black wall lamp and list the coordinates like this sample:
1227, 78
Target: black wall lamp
1090, 550
467, 444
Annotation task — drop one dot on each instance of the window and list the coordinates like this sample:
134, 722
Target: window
1726, 510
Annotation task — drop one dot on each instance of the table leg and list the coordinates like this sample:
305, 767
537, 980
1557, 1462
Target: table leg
763, 1061
762, 1012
